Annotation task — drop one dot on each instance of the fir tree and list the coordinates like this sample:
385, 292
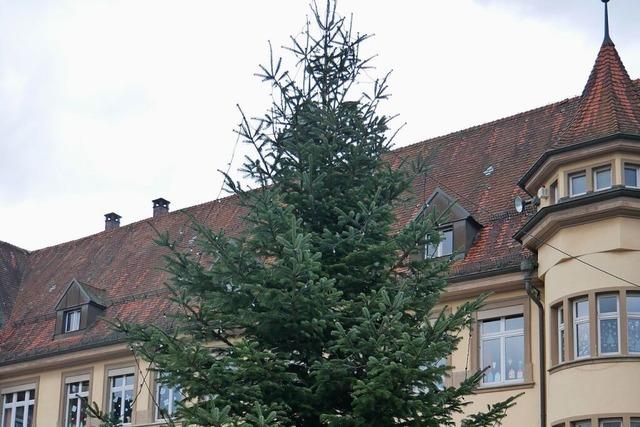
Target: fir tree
322, 312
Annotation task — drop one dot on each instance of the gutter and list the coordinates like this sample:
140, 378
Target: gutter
527, 267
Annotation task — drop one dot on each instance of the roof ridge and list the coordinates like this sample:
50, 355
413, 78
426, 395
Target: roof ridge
184, 210
11, 245
493, 122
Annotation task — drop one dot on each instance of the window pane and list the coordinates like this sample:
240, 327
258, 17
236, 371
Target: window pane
633, 332
7, 417
446, 244
129, 379
163, 399
116, 404
582, 308
8, 398
561, 346
19, 417
611, 423
578, 184
608, 304
630, 177
582, 424
561, 315
515, 323
30, 418
635, 422
602, 178
514, 354
128, 406
72, 412
491, 358
582, 340
117, 381
609, 336
21, 396
633, 303
490, 326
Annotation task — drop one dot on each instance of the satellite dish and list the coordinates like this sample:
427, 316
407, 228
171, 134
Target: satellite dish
519, 204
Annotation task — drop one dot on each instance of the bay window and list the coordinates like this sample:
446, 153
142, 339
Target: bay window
502, 350
561, 335
633, 322
581, 330
631, 177
602, 178
17, 406
577, 184
608, 324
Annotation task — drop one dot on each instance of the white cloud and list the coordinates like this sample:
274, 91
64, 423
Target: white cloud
107, 105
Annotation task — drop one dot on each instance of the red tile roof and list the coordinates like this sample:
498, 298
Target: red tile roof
480, 166
12, 263
609, 105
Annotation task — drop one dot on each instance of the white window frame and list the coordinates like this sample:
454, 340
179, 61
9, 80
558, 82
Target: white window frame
578, 321
29, 401
637, 171
76, 396
608, 316
122, 390
561, 334
610, 420
172, 391
575, 175
503, 334
595, 180
438, 251
71, 319
631, 315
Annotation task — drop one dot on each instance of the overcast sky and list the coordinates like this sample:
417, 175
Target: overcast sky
105, 105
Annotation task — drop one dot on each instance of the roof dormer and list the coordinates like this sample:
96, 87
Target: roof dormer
78, 307
457, 227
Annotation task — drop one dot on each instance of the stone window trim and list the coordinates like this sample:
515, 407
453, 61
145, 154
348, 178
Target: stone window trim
595, 419
68, 377
31, 383
122, 368
501, 308
567, 304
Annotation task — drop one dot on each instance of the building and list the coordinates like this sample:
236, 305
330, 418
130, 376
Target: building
563, 324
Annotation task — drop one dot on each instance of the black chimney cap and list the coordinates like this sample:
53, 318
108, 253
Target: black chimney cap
112, 216
160, 202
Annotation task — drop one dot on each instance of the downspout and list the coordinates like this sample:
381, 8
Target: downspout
527, 266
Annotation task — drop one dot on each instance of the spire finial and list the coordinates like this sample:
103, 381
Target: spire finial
607, 38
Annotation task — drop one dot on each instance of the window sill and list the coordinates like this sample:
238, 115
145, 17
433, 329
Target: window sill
592, 361
504, 387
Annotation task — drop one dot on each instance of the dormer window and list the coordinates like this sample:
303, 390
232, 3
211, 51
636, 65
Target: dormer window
602, 178
577, 184
78, 308
444, 247
72, 320
458, 228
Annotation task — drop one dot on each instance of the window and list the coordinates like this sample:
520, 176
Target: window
608, 324
635, 422
444, 248
121, 397
17, 408
75, 409
602, 178
561, 333
553, 192
577, 184
71, 320
633, 323
611, 423
581, 334
631, 177
167, 399
502, 349
584, 423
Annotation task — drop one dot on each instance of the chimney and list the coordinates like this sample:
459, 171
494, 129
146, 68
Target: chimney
160, 206
111, 221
